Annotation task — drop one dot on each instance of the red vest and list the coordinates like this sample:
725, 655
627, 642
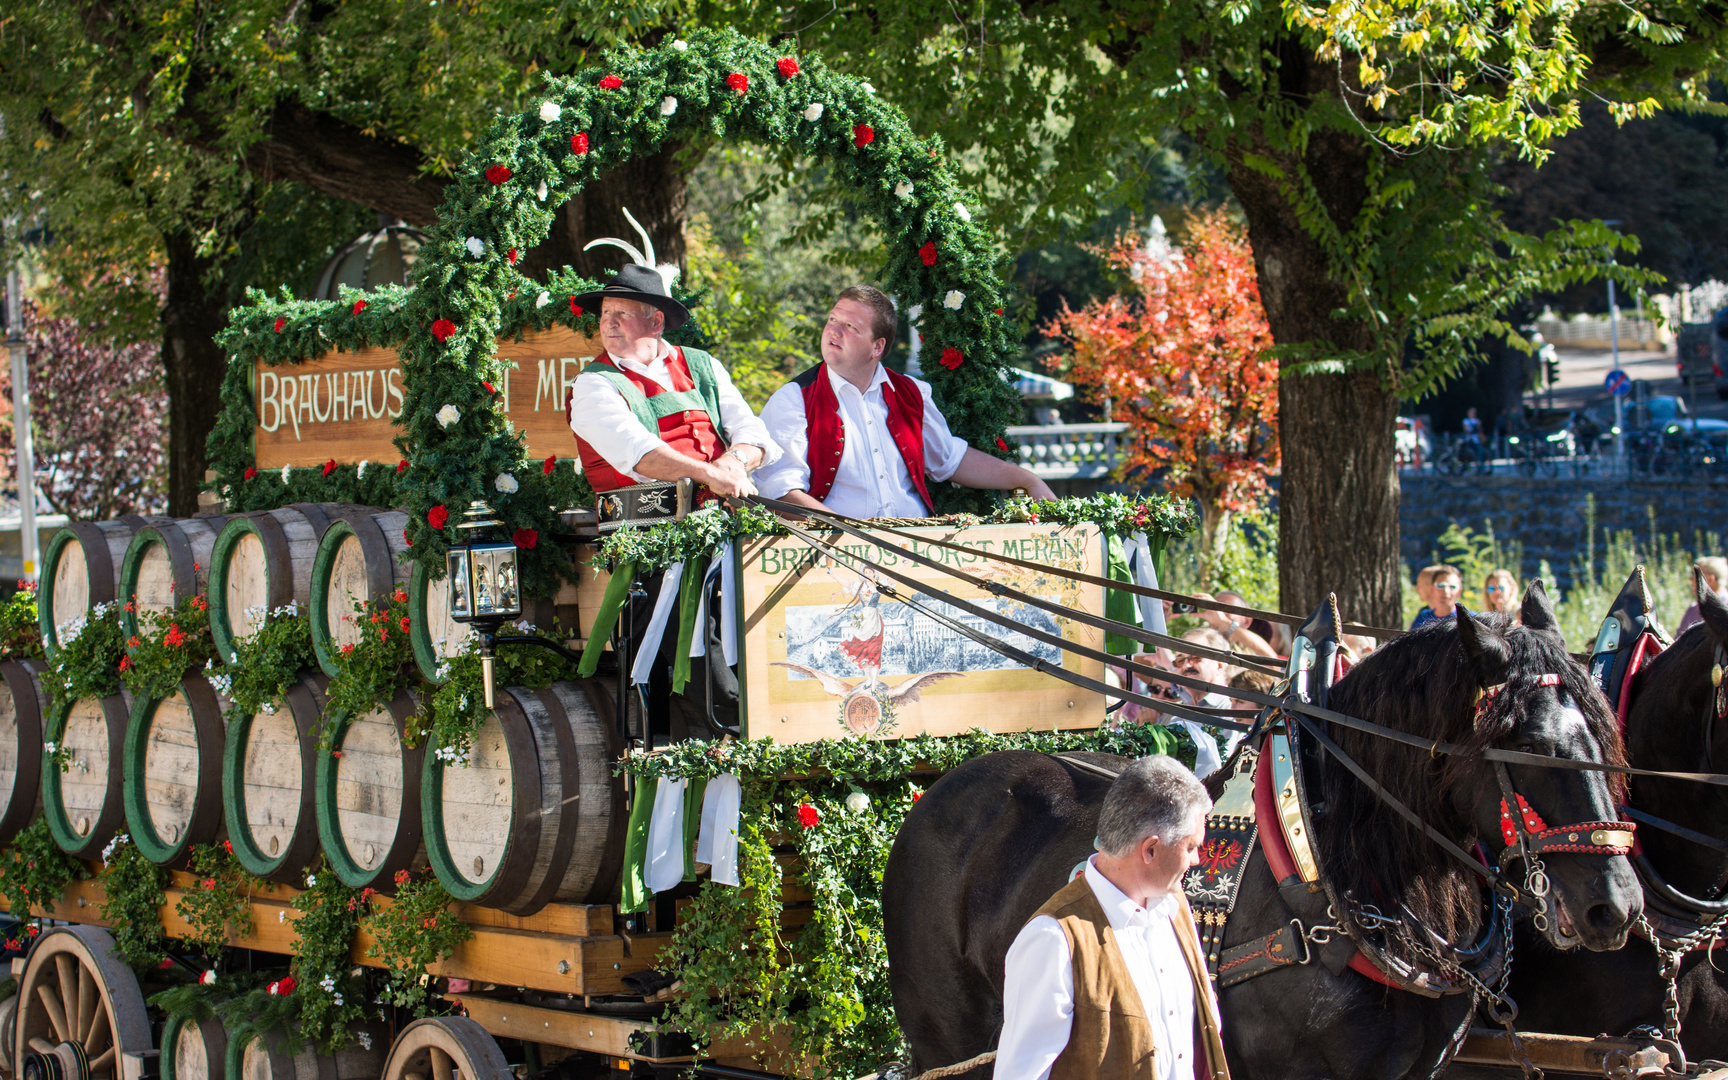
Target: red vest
827, 434
689, 431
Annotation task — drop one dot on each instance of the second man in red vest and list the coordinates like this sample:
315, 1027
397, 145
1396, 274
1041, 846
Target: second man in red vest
863, 441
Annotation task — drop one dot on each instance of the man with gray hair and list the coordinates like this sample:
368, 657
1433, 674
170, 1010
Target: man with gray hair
1107, 980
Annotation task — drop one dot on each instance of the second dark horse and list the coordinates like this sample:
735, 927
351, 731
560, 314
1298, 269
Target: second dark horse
995, 838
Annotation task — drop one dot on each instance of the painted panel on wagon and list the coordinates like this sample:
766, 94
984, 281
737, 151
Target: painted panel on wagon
826, 654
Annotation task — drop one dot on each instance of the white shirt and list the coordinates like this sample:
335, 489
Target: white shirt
600, 416
872, 480
1038, 991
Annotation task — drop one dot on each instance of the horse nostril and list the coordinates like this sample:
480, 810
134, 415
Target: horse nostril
1606, 918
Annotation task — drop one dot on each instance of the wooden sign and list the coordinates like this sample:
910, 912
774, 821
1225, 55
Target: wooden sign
826, 655
344, 405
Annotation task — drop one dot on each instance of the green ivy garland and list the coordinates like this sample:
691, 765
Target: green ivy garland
134, 890
34, 872
719, 84
417, 929
20, 626
219, 904
328, 993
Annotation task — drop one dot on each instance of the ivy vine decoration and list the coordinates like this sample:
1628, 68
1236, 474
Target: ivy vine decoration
167, 646
417, 929
458, 706
267, 664
328, 993
134, 890
21, 625
218, 906
377, 667
720, 84
88, 662
34, 872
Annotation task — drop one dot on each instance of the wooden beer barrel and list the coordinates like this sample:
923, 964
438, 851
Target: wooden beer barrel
194, 1049
81, 569
23, 704
368, 796
161, 565
84, 803
358, 558
437, 637
536, 815
269, 774
173, 770
262, 561
261, 1057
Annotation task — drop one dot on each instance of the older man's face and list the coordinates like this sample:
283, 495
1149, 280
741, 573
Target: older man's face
628, 326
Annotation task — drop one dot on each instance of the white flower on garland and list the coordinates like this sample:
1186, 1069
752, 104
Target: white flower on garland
960, 209
903, 189
540, 192
207, 979
476, 246
680, 45
448, 415
868, 89
542, 300
505, 483
286, 469
954, 299
668, 105
311, 881
913, 312
360, 469
857, 802
550, 111
813, 111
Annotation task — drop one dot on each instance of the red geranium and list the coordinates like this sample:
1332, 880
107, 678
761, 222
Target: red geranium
807, 815
400, 596
575, 308
125, 663
437, 516
280, 323
610, 82
442, 329
738, 82
549, 464
526, 538
786, 66
359, 306
863, 135
579, 142
952, 358
175, 636
402, 466
403, 623
250, 473
329, 466
928, 253
210, 884
497, 174
401, 877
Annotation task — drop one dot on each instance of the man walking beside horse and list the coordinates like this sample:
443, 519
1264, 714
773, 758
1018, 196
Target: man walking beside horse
1107, 981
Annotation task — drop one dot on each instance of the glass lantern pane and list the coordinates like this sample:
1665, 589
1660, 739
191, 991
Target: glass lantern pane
484, 601
504, 576
460, 607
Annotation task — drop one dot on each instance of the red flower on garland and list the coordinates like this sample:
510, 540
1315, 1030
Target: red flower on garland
175, 637
863, 135
928, 253
497, 174
807, 815
575, 308
738, 82
611, 82
125, 663
998, 311
442, 329
512, 257
786, 66
490, 389
579, 142
437, 516
1001, 443
952, 358
329, 466
359, 306
286, 985
280, 323
526, 539
402, 466
406, 539
549, 464
250, 473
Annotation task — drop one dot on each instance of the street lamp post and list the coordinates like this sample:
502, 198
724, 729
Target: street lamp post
1614, 342
22, 443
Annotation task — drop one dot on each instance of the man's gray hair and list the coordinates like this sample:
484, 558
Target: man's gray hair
1155, 795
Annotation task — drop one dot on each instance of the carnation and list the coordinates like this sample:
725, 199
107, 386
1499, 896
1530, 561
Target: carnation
286, 469
526, 538
952, 358
680, 45
964, 214
550, 111
903, 188
738, 82
668, 105
542, 300
579, 142
497, 174
611, 82
540, 192
280, 323
360, 469
437, 516
505, 483
863, 135
207, 979
786, 66
443, 329
448, 415
808, 816
359, 306
954, 299
927, 253
476, 246
813, 111
857, 802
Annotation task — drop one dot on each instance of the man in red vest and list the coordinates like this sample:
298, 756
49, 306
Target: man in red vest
862, 441
647, 411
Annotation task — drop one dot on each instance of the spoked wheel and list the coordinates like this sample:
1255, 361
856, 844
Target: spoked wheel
79, 1008
442, 1048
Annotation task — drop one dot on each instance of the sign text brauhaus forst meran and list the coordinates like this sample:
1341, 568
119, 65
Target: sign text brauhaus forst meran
343, 405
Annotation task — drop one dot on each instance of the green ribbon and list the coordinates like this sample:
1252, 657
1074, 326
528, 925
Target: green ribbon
689, 599
1119, 605
617, 589
635, 894
692, 822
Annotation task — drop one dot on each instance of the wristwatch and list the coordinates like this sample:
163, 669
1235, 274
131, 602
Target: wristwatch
733, 452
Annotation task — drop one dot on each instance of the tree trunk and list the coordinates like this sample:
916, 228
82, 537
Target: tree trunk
1338, 493
656, 191
193, 366
1214, 534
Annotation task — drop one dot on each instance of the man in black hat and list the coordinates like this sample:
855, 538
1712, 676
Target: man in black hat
648, 411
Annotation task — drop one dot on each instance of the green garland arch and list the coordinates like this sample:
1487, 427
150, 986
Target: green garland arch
468, 292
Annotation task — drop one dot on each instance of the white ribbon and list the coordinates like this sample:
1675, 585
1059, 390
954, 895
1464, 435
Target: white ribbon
699, 639
1146, 576
663, 605
729, 598
665, 863
717, 842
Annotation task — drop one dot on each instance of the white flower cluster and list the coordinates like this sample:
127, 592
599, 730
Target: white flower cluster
113, 845
813, 111
857, 802
505, 483
448, 415
543, 299
51, 747
365, 1038
964, 214
525, 626
903, 189
680, 44
476, 246
282, 916
540, 193
328, 982
550, 111
954, 299
668, 105
452, 757
311, 881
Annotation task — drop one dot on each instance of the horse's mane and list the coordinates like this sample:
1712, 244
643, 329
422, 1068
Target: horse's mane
1423, 683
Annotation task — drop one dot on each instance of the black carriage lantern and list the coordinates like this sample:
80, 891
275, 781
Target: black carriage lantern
485, 587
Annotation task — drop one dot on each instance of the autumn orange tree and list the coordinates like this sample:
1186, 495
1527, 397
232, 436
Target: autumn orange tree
1186, 362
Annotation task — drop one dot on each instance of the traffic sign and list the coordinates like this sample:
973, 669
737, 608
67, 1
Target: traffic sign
1618, 383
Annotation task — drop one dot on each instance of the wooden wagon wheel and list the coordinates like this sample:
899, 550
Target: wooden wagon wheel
79, 1008
444, 1047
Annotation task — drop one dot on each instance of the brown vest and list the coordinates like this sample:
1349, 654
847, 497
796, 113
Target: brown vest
1112, 1038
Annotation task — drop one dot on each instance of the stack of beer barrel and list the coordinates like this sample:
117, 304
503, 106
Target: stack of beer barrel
532, 817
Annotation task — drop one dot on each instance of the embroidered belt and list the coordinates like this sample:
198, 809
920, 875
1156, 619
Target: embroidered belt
645, 504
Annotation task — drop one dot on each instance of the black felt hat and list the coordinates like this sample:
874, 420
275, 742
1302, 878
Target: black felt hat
636, 282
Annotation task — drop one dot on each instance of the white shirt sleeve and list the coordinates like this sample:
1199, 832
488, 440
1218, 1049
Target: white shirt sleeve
600, 417
1037, 1002
942, 449
743, 428
783, 418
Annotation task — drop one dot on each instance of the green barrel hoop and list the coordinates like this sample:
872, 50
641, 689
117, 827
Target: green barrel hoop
99, 572
171, 1029
278, 560
204, 822
183, 562
304, 703
86, 845
405, 845
380, 575
420, 616
18, 806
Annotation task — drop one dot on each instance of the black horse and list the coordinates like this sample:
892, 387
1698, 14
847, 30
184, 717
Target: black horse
995, 838
1670, 726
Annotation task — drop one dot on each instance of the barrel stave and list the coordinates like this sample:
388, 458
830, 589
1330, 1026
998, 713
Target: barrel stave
173, 772
269, 780
83, 802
